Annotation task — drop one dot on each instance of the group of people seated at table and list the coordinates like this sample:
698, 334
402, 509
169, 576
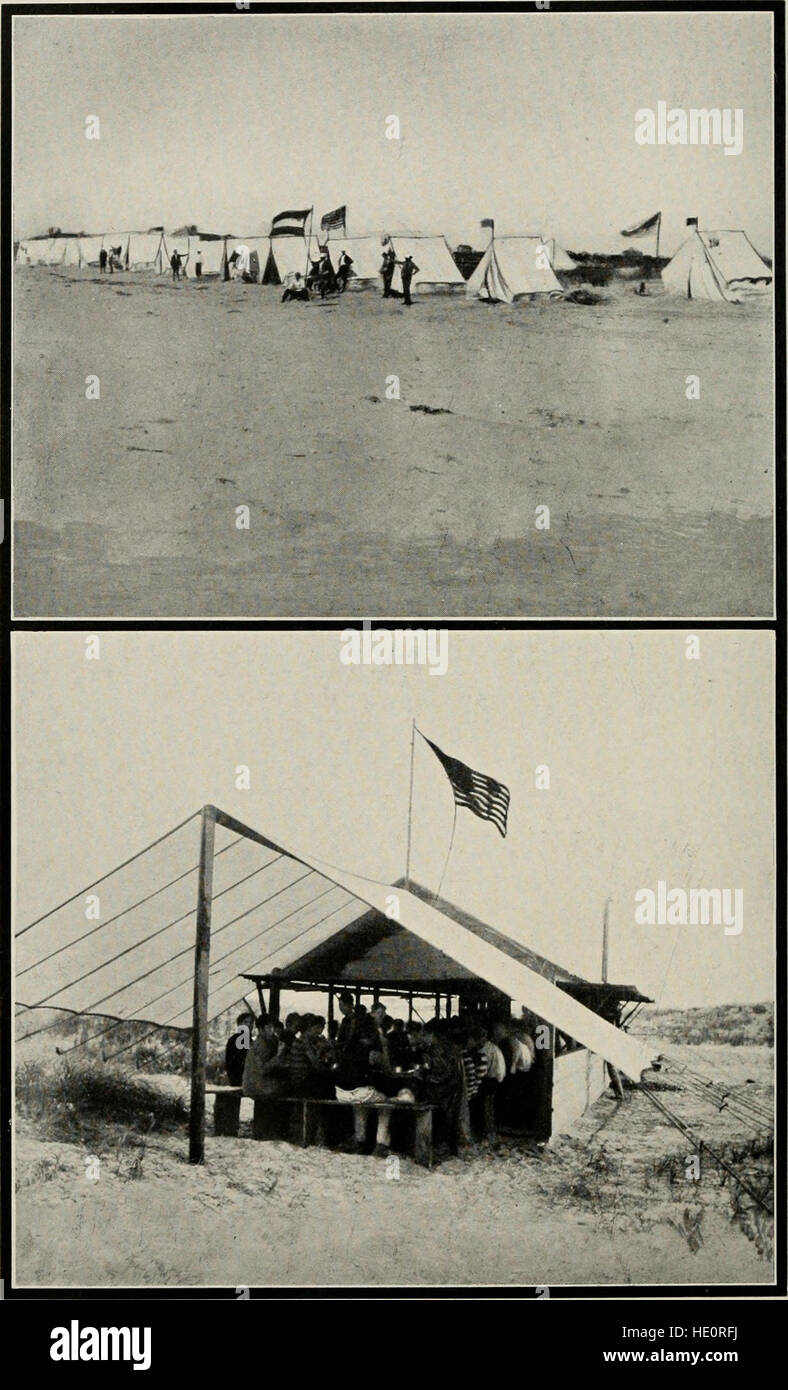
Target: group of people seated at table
460, 1065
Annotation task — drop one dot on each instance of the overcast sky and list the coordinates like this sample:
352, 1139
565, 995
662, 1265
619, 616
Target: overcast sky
660, 768
529, 119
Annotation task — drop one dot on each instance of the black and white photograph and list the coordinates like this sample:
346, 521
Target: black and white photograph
466, 314
334, 970
393, 554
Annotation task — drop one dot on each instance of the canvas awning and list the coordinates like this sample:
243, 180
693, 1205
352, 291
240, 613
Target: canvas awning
270, 905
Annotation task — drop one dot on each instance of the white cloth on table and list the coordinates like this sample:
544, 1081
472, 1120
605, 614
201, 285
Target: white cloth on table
362, 1095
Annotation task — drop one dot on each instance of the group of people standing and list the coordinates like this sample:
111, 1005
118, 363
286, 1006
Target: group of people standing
407, 270
324, 279
462, 1066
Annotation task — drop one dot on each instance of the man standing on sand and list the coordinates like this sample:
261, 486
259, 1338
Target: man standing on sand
407, 271
103, 261
175, 262
343, 271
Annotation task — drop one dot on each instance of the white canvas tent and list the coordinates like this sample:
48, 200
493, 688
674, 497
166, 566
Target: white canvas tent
284, 255
42, 251
722, 266
252, 255
90, 250
115, 240
211, 251
144, 251
367, 254
437, 272
513, 267
70, 248
181, 244
560, 259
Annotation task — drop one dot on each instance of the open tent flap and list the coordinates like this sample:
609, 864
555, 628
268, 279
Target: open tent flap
287, 255
270, 906
488, 282
113, 240
252, 255
437, 267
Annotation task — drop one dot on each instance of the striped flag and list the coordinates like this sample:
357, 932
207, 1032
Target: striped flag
484, 796
334, 221
290, 223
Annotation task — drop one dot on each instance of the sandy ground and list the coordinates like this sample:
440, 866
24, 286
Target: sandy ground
216, 395
592, 1209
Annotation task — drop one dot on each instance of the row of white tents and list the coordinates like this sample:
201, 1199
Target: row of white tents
722, 266
510, 268
149, 251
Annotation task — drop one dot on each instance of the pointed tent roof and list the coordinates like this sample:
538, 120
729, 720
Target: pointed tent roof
271, 907
285, 255
512, 266
437, 267
716, 266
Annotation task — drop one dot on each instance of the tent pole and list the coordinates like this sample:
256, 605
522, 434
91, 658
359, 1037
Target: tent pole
410, 799
202, 948
605, 931
659, 229
309, 242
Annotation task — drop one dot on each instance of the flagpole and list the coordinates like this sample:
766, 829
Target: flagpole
659, 229
410, 796
436, 895
309, 241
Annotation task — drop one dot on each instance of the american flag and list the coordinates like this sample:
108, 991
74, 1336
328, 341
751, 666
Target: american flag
333, 221
484, 796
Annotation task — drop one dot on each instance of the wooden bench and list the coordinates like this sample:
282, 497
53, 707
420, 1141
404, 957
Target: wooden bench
226, 1110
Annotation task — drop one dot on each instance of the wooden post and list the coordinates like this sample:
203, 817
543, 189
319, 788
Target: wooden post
261, 1001
448, 1006
202, 951
273, 1000
410, 1007
330, 1009
437, 1004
